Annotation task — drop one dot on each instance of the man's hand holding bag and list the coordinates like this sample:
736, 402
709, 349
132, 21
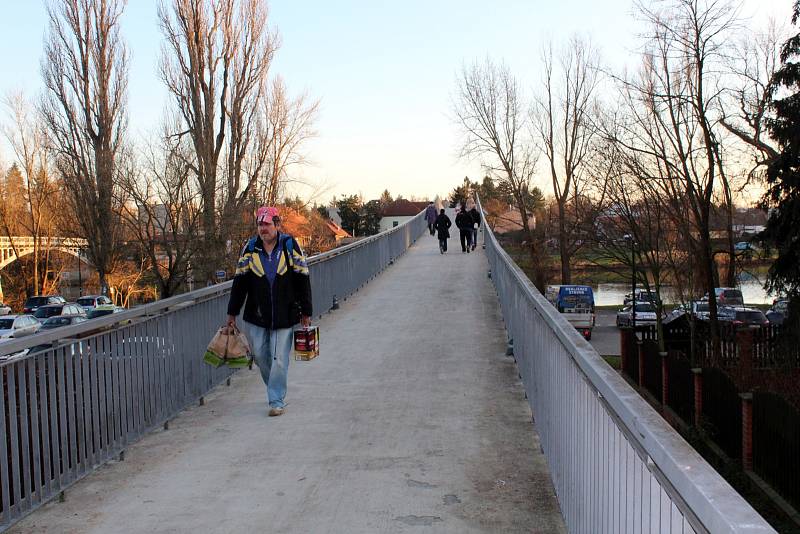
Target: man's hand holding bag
230, 347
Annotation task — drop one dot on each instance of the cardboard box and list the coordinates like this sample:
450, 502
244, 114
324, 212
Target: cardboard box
306, 343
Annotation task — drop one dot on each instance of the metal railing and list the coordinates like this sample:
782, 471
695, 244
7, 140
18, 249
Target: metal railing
90, 390
616, 464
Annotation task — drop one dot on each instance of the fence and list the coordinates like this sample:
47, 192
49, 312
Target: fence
90, 390
776, 444
616, 465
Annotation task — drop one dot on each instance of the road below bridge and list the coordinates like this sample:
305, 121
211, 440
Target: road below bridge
412, 419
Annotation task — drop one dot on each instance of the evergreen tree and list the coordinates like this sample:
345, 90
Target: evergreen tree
350, 212
371, 218
386, 198
783, 173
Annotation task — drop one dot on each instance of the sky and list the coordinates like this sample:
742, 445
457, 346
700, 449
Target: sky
384, 73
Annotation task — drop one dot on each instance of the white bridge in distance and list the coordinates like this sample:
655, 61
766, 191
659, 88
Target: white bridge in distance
13, 248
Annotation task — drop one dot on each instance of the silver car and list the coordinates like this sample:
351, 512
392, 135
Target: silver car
645, 315
12, 326
4, 310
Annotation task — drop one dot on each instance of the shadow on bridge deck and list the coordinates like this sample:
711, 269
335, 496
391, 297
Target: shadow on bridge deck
411, 417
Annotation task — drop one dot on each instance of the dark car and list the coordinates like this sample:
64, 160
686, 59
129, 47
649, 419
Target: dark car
45, 312
778, 312
34, 303
58, 321
743, 317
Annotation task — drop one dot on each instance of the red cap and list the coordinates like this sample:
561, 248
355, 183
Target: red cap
267, 212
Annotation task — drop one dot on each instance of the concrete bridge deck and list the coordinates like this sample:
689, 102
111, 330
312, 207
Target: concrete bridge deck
411, 420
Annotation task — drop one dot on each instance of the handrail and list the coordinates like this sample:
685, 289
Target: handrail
145, 310
602, 408
67, 409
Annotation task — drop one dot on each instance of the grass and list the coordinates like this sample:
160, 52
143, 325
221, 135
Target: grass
614, 361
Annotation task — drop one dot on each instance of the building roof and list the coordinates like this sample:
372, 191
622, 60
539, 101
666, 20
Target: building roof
403, 208
338, 231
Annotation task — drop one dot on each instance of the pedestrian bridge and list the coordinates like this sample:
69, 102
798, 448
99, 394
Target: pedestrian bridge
413, 418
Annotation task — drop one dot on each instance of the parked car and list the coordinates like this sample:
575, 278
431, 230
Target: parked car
13, 326
642, 295
89, 302
4, 310
45, 312
105, 309
741, 317
727, 296
34, 303
645, 315
778, 312
698, 308
58, 321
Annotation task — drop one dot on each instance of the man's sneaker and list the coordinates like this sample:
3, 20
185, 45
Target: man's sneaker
274, 412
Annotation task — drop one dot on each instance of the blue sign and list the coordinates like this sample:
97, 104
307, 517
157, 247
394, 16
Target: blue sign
221, 274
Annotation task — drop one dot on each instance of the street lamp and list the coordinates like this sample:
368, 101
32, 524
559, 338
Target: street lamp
629, 237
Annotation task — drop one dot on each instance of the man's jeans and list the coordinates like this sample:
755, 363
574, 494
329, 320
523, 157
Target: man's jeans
474, 238
271, 351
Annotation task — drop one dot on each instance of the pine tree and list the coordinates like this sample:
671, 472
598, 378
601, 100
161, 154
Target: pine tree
783, 173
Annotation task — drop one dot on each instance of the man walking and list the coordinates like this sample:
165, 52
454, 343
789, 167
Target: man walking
476, 222
442, 225
464, 224
272, 282
430, 216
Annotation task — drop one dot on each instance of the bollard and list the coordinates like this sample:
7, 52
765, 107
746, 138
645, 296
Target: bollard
62, 497
335, 305
228, 381
166, 425
121, 456
202, 401
510, 347
489, 274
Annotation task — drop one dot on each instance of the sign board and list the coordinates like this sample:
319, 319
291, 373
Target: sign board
221, 275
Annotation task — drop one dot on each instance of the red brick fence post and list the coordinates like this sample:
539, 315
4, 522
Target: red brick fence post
698, 395
640, 350
747, 431
664, 380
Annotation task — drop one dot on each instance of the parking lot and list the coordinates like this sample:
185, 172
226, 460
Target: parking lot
605, 336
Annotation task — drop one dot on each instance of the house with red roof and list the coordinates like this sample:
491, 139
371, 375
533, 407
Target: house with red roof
399, 211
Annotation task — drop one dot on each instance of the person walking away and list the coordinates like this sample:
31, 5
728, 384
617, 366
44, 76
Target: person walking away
464, 224
476, 222
430, 216
272, 282
442, 225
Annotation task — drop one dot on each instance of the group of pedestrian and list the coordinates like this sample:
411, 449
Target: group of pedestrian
467, 221
272, 284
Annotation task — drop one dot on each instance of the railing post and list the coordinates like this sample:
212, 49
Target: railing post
697, 373
747, 431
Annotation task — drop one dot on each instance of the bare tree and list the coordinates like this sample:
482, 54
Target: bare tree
562, 118
215, 61
490, 110
85, 69
669, 121
287, 124
163, 213
25, 133
745, 107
